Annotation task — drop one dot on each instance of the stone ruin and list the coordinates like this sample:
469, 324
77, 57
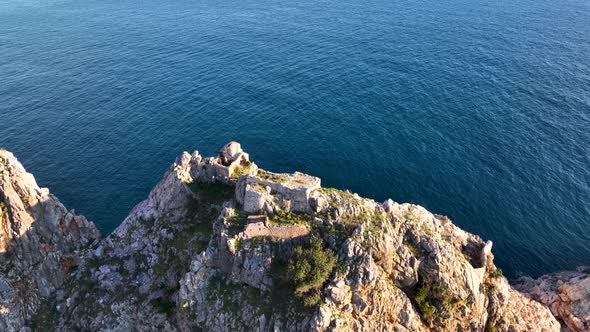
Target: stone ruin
231, 158
230, 163
272, 192
256, 189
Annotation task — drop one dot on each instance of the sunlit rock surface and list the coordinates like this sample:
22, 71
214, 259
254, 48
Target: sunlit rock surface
221, 245
40, 242
566, 293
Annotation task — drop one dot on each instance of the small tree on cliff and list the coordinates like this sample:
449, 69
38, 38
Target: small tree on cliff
310, 266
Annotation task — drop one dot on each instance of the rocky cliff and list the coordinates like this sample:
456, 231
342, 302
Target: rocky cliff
566, 293
222, 245
40, 243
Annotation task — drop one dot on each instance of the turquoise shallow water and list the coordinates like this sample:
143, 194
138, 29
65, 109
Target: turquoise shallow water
479, 110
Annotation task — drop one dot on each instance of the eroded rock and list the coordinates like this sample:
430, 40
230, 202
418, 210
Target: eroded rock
39, 242
566, 293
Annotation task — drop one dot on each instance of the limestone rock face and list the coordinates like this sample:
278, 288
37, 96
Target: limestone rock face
39, 242
566, 293
136, 269
213, 247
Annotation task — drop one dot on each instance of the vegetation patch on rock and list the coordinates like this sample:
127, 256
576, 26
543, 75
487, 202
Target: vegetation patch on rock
270, 176
243, 169
435, 302
306, 269
214, 192
290, 218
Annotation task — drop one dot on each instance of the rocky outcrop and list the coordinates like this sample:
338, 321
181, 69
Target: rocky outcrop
39, 243
566, 293
221, 245
402, 268
132, 276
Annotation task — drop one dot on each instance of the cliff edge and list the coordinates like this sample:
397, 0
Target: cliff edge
40, 242
220, 244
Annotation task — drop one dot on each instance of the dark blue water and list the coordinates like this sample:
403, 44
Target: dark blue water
479, 110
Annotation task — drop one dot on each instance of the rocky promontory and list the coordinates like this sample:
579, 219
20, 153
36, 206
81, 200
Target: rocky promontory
222, 245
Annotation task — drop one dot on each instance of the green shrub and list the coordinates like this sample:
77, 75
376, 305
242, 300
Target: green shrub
310, 266
490, 288
412, 247
490, 327
299, 275
237, 224
214, 192
420, 295
290, 218
311, 298
244, 169
496, 273
426, 309
270, 176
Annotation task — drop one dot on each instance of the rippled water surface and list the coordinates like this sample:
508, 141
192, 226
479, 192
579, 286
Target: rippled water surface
479, 110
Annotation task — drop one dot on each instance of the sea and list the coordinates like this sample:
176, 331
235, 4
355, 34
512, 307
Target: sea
477, 110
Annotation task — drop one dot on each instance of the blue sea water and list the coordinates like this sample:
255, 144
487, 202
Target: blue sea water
479, 110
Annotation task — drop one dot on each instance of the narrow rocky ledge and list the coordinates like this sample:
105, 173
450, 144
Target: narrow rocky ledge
220, 244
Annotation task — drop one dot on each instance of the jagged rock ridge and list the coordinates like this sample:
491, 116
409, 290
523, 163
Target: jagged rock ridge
39, 243
222, 245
